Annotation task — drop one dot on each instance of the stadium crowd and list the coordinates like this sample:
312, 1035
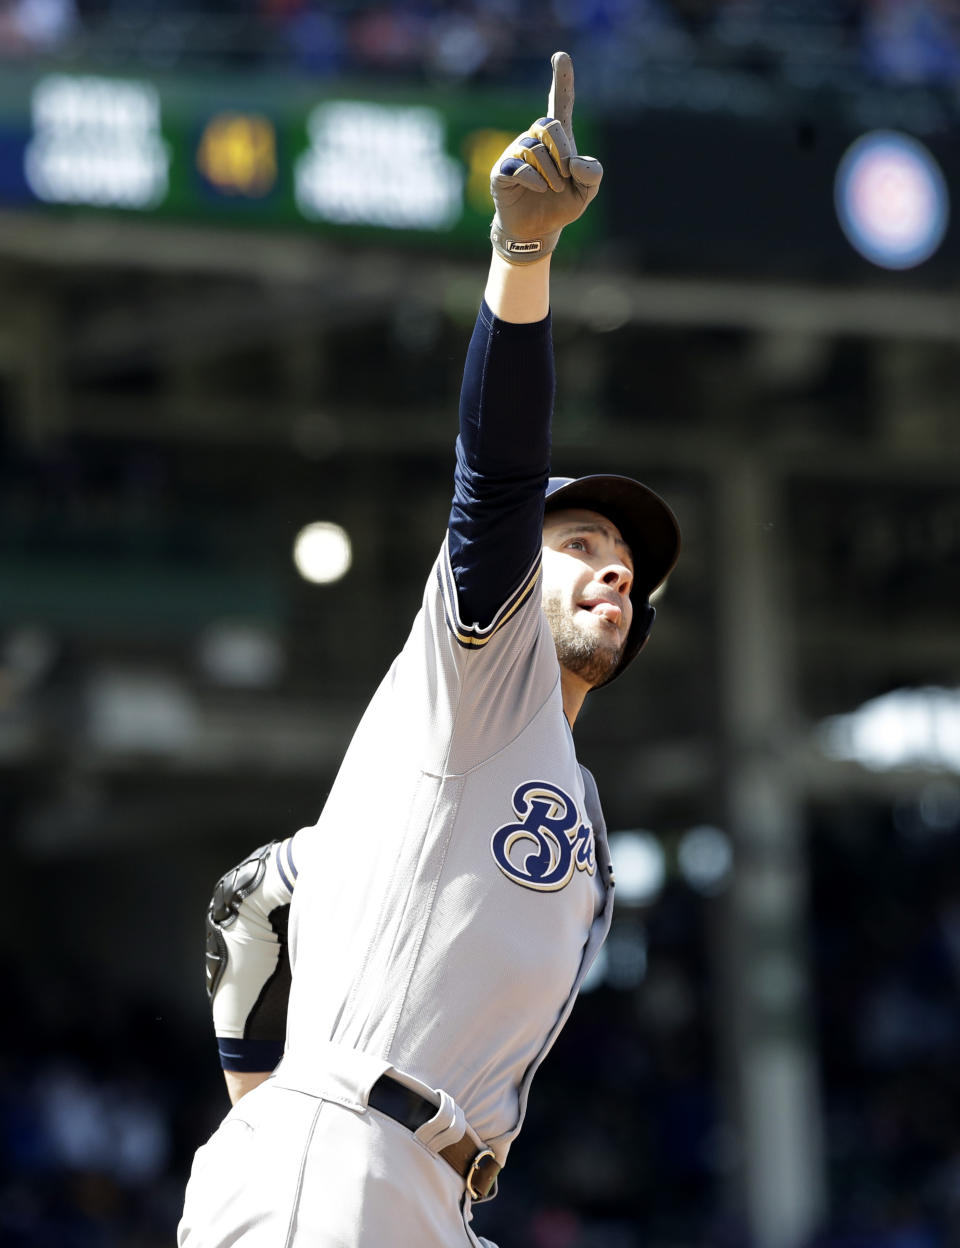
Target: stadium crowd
890, 41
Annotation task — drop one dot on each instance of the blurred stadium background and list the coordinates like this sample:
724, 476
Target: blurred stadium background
215, 330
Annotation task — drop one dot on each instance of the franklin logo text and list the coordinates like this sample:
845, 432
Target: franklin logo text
548, 842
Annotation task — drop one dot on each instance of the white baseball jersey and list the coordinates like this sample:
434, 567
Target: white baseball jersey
457, 886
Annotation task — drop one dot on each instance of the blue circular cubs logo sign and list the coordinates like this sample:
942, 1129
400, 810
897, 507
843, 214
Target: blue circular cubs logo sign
548, 841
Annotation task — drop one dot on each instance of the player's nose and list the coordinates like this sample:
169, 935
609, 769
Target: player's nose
618, 576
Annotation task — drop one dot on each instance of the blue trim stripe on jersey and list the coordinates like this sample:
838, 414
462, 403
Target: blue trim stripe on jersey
473, 636
286, 851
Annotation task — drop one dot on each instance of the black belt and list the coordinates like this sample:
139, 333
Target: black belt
411, 1110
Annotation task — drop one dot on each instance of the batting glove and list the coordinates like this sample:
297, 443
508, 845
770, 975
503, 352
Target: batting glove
540, 184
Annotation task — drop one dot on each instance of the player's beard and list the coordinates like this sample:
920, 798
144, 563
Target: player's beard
591, 657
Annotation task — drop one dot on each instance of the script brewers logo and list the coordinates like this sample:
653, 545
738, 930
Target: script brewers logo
548, 842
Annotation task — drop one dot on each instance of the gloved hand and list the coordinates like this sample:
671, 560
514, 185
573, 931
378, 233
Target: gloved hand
540, 184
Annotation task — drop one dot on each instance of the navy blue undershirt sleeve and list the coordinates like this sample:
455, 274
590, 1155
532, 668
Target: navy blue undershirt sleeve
503, 462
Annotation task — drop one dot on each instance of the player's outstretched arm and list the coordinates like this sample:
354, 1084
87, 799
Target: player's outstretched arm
247, 964
539, 185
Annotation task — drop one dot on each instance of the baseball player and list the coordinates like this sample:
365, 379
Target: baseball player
446, 907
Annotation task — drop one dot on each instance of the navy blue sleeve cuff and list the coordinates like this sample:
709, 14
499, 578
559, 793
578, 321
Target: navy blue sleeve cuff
249, 1055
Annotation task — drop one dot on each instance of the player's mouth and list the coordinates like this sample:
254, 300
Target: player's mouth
603, 609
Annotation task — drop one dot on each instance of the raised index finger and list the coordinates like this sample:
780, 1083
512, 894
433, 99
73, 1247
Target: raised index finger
560, 99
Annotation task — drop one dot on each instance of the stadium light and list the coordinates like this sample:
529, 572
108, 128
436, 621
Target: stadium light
322, 552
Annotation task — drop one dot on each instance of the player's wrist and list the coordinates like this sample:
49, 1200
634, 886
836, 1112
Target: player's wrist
516, 293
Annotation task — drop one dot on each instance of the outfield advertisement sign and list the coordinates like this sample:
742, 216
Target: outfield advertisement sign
410, 164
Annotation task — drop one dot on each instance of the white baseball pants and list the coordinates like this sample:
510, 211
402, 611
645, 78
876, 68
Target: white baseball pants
290, 1169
